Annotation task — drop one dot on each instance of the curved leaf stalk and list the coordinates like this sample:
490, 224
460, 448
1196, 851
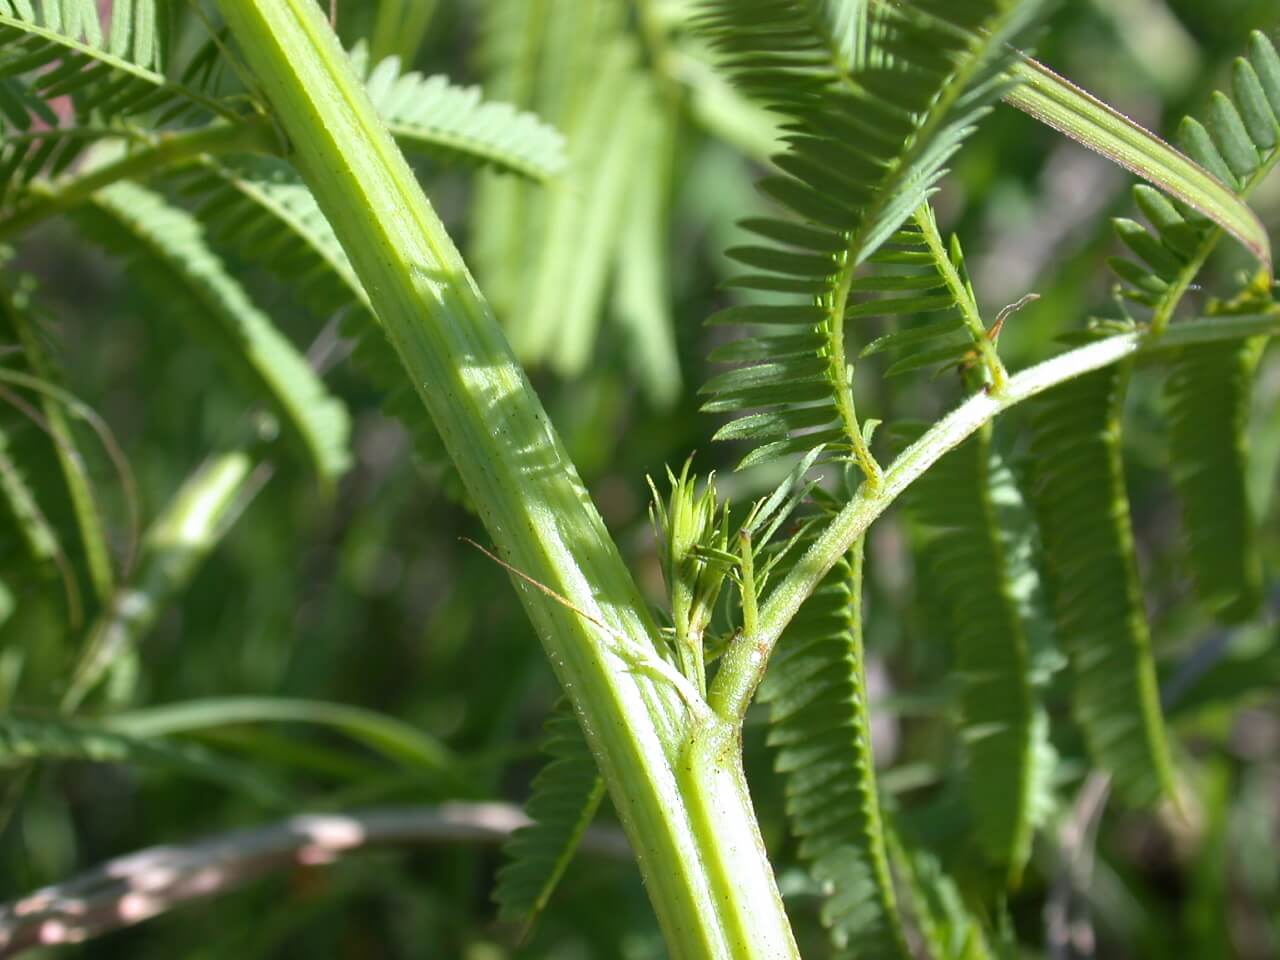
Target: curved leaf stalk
394, 739
1060, 104
862, 243
29, 738
703, 862
743, 665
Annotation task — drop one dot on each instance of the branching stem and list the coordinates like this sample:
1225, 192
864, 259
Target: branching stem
745, 661
695, 835
838, 299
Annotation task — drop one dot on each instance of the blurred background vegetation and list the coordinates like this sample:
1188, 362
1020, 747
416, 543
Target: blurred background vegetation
365, 596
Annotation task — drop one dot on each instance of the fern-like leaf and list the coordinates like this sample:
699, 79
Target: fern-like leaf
45, 152
968, 564
1208, 397
869, 133
566, 795
922, 278
642, 292
262, 201
820, 725
169, 254
947, 928
1240, 146
1208, 392
431, 115
104, 71
546, 257
1092, 578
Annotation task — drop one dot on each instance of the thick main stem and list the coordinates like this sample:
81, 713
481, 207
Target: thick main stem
709, 880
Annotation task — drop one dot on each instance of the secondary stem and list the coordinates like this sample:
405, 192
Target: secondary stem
744, 663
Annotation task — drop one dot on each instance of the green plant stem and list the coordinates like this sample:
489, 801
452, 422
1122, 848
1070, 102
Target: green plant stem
688, 817
840, 371
175, 545
856, 250
744, 663
252, 135
1214, 330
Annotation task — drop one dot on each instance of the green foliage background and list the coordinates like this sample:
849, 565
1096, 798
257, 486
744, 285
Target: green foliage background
365, 596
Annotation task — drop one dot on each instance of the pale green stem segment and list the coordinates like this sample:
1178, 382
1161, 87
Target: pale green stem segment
1060, 104
688, 815
174, 547
744, 663
161, 152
